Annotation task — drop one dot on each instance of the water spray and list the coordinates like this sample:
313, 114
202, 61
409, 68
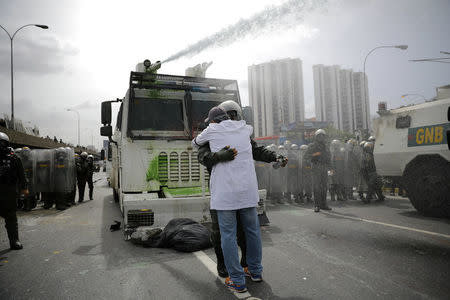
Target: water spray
272, 18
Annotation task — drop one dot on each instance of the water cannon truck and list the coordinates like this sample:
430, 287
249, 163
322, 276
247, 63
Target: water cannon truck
155, 174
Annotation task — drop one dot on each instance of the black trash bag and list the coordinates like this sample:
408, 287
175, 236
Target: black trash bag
182, 234
191, 238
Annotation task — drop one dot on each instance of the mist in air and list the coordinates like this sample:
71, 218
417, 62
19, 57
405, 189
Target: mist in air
272, 18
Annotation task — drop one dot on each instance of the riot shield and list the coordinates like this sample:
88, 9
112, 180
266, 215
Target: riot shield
43, 174
27, 158
259, 169
307, 174
292, 173
63, 175
73, 178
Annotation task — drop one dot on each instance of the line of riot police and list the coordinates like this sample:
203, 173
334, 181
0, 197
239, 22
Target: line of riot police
320, 166
52, 176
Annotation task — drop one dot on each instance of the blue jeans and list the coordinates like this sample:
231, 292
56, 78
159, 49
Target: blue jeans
250, 224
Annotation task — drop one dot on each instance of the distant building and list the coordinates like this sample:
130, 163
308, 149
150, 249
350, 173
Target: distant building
340, 98
276, 95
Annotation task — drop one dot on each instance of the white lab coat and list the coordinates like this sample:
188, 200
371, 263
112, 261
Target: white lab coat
233, 184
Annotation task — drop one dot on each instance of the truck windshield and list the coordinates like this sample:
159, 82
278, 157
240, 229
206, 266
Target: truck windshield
203, 102
175, 112
156, 111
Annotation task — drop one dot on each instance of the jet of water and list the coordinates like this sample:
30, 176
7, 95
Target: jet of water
271, 18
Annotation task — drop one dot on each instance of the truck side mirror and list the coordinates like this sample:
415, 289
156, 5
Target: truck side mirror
106, 112
106, 130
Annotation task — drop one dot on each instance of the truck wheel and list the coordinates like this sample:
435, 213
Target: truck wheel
115, 195
428, 186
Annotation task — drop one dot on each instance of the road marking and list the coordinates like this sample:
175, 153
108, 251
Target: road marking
389, 225
212, 267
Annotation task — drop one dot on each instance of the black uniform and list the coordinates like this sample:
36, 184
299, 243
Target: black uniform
82, 177
11, 176
306, 189
207, 158
369, 172
319, 154
89, 178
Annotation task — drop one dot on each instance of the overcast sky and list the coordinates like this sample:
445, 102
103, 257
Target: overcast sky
86, 55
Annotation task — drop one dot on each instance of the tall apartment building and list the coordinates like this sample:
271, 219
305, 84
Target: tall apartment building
276, 95
340, 97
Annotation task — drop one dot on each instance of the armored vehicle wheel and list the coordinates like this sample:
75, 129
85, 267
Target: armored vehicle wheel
428, 186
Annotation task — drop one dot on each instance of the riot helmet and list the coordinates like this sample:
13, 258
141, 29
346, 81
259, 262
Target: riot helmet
335, 145
371, 139
368, 147
362, 144
17, 150
4, 143
84, 155
26, 148
90, 157
233, 110
320, 135
304, 147
294, 147
281, 147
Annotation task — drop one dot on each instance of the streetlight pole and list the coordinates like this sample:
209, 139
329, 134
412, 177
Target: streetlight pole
11, 38
402, 47
78, 118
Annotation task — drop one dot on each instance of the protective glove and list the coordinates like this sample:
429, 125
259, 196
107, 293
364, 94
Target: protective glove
283, 160
225, 154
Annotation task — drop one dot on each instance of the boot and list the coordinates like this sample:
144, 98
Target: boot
15, 245
91, 192
13, 235
221, 268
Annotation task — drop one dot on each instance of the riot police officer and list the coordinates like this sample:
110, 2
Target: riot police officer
337, 171
11, 176
362, 184
82, 175
293, 190
351, 168
370, 174
319, 154
306, 175
280, 182
90, 182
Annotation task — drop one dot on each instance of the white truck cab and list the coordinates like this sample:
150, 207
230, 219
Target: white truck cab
412, 142
155, 174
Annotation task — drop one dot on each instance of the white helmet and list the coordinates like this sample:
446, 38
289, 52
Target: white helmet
368, 147
294, 147
4, 137
233, 110
84, 154
281, 147
371, 139
304, 147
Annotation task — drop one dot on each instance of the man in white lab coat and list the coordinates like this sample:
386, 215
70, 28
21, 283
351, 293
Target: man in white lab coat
234, 189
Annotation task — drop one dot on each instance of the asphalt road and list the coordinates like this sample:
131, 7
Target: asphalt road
357, 251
